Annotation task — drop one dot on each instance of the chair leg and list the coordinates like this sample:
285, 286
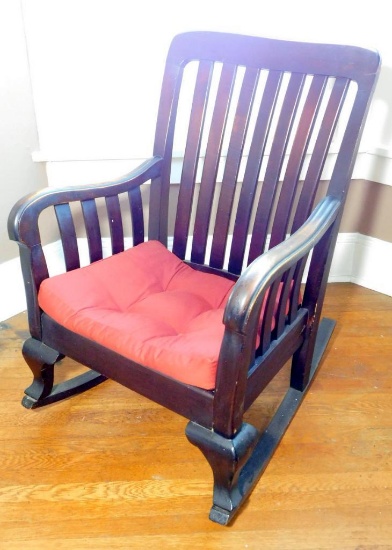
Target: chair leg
308, 357
238, 463
41, 359
226, 458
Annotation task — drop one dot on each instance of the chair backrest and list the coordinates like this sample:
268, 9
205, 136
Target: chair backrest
257, 125
266, 119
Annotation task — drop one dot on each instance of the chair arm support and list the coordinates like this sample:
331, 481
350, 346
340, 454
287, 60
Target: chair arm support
246, 298
24, 215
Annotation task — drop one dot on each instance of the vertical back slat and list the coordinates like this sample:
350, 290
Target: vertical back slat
232, 167
320, 151
268, 322
351, 139
296, 160
252, 170
136, 207
296, 296
274, 166
163, 147
211, 163
191, 158
68, 236
93, 230
115, 223
285, 302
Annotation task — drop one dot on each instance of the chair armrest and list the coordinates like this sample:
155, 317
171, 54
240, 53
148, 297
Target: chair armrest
244, 304
23, 226
259, 287
22, 221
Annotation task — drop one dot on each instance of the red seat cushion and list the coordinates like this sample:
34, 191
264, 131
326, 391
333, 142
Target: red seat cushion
147, 305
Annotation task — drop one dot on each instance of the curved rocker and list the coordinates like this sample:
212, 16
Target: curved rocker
41, 359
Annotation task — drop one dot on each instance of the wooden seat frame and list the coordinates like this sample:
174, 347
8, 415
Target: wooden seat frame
272, 228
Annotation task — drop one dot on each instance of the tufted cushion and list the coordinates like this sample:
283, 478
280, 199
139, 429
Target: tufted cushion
147, 305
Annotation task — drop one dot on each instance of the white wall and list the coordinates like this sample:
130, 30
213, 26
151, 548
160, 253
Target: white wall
18, 132
96, 68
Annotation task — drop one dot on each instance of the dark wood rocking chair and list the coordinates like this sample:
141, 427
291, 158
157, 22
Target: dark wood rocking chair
200, 313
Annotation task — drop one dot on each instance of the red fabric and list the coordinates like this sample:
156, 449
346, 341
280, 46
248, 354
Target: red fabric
147, 305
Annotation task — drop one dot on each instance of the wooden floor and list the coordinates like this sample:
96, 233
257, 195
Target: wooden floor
108, 469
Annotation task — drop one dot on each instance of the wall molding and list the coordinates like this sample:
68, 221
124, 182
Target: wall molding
365, 261
70, 168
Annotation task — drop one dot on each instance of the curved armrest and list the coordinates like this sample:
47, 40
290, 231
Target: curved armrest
246, 298
23, 226
243, 312
23, 216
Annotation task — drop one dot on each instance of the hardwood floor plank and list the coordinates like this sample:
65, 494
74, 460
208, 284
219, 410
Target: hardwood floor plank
110, 469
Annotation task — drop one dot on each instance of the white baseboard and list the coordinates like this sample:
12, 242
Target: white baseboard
363, 260
372, 264
12, 296
359, 259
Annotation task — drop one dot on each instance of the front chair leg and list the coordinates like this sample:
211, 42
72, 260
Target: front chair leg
226, 458
41, 359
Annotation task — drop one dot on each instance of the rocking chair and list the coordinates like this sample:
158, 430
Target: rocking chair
198, 288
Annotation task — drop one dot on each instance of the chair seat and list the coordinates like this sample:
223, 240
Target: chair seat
147, 305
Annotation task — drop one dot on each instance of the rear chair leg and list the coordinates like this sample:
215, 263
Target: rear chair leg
308, 357
41, 359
